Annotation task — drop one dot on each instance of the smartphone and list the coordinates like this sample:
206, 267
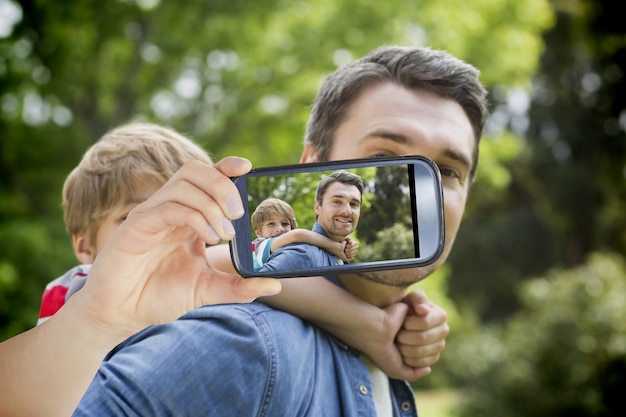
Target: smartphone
398, 222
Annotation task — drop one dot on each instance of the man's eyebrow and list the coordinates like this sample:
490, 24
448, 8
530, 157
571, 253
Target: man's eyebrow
404, 140
344, 196
394, 137
459, 157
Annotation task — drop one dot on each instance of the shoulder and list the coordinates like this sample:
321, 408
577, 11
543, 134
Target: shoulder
262, 244
59, 290
239, 346
218, 324
233, 320
258, 240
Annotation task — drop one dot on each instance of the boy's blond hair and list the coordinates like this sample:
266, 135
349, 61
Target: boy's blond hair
114, 168
271, 206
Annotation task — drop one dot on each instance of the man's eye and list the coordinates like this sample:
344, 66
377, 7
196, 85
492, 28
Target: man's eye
449, 172
381, 154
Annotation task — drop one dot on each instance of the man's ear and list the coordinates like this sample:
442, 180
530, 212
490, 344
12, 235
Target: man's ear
316, 208
83, 249
309, 154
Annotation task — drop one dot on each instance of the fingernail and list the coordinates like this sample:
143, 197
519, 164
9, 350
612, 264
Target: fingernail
235, 209
212, 234
227, 227
237, 160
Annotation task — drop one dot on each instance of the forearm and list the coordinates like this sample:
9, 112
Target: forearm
360, 325
46, 370
325, 243
304, 236
350, 319
315, 299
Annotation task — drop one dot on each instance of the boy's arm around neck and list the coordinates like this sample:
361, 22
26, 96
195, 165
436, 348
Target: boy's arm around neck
311, 238
365, 327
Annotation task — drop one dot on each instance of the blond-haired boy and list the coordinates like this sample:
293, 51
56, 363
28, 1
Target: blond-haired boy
121, 170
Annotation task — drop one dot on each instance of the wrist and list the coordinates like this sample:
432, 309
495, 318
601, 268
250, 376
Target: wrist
96, 327
368, 335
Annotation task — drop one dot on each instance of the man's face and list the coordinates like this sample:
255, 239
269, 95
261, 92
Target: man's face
276, 225
338, 212
389, 120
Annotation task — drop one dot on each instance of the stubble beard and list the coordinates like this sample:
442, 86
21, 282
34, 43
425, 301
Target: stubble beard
400, 278
403, 278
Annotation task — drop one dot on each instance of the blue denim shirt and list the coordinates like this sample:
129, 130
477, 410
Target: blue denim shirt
300, 256
236, 360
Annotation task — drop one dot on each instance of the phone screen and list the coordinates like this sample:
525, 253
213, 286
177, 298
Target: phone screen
393, 220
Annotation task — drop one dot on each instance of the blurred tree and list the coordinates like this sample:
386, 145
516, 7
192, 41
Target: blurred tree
395, 242
297, 190
389, 203
564, 355
563, 197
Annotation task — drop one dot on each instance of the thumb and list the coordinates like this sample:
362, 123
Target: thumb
232, 288
249, 289
394, 316
418, 302
413, 374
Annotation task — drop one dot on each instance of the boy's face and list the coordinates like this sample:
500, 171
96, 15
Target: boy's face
86, 250
110, 223
276, 225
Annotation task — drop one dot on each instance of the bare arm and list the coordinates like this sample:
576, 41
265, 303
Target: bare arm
152, 271
308, 236
359, 324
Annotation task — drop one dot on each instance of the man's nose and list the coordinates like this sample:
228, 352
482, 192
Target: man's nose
345, 209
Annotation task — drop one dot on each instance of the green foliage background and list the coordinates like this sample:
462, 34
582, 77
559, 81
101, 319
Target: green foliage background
239, 77
563, 355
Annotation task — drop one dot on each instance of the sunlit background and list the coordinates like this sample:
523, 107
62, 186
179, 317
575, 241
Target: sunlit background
536, 284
